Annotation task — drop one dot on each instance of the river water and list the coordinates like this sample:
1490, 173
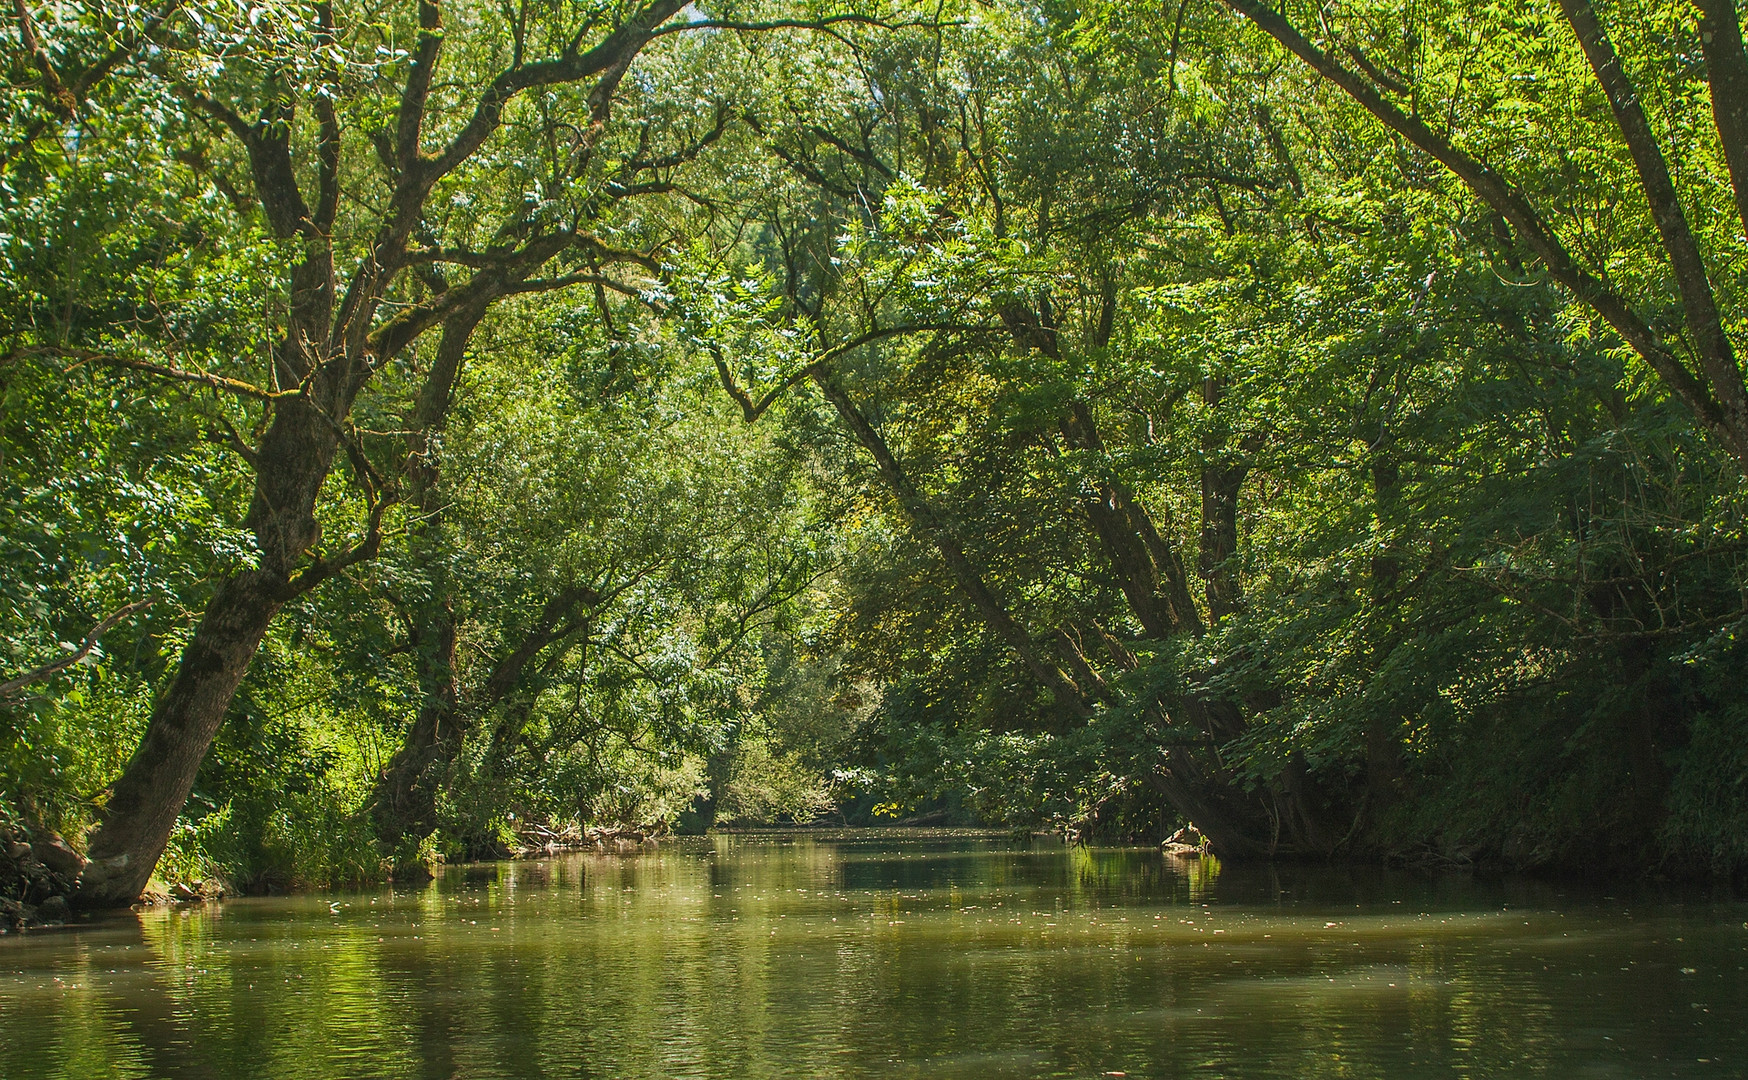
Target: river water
893, 954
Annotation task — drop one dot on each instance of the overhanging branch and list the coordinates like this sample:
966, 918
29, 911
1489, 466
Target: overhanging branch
81, 357
10, 688
753, 410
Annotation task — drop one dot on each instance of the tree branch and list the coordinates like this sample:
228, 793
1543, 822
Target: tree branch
323, 569
749, 409
687, 153
9, 689
1717, 356
411, 114
328, 139
824, 25
536, 285
199, 378
753, 410
1720, 36
60, 97
1515, 208
617, 48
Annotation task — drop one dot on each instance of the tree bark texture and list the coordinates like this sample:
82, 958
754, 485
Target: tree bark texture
295, 457
144, 803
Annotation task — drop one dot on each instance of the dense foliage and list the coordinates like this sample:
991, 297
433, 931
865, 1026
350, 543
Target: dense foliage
1322, 428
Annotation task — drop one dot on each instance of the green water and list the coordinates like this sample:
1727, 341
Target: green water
893, 955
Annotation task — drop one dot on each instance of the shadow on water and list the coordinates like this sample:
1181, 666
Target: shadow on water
893, 954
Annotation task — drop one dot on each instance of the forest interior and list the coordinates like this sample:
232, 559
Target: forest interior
439, 429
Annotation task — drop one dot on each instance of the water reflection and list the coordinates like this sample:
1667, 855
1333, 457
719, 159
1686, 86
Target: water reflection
875, 955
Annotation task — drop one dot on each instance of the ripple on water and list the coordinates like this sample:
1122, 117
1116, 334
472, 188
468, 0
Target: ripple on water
890, 955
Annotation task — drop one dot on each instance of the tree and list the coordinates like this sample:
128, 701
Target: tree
1431, 57
305, 128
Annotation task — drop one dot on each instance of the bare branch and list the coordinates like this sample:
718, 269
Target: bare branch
10, 688
539, 285
199, 378
387, 340
498, 258
424, 64
323, 569
688, 153
826, 25
224, 433
617, 48
1395, 86
861, 153
753, 410
775, 593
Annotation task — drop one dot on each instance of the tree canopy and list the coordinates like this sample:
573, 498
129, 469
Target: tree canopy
433, 427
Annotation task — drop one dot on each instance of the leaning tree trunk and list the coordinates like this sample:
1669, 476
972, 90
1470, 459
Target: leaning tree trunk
328, 352
143, 805
1151, 575
1070, 697
403, 803
1238, 823
1147, 566
145, 802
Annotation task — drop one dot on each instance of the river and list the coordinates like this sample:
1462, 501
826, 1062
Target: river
894, 954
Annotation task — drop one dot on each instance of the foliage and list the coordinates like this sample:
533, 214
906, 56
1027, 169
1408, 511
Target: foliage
1069, 416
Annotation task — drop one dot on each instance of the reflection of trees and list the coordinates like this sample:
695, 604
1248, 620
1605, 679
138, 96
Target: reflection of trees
292, 1000
729, 963
69, 1020
1202, 875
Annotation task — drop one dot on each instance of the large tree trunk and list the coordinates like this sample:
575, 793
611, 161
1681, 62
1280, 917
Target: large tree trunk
146, 800
326, 356
136, 821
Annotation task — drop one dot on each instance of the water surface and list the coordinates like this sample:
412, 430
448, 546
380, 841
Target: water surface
893, 954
